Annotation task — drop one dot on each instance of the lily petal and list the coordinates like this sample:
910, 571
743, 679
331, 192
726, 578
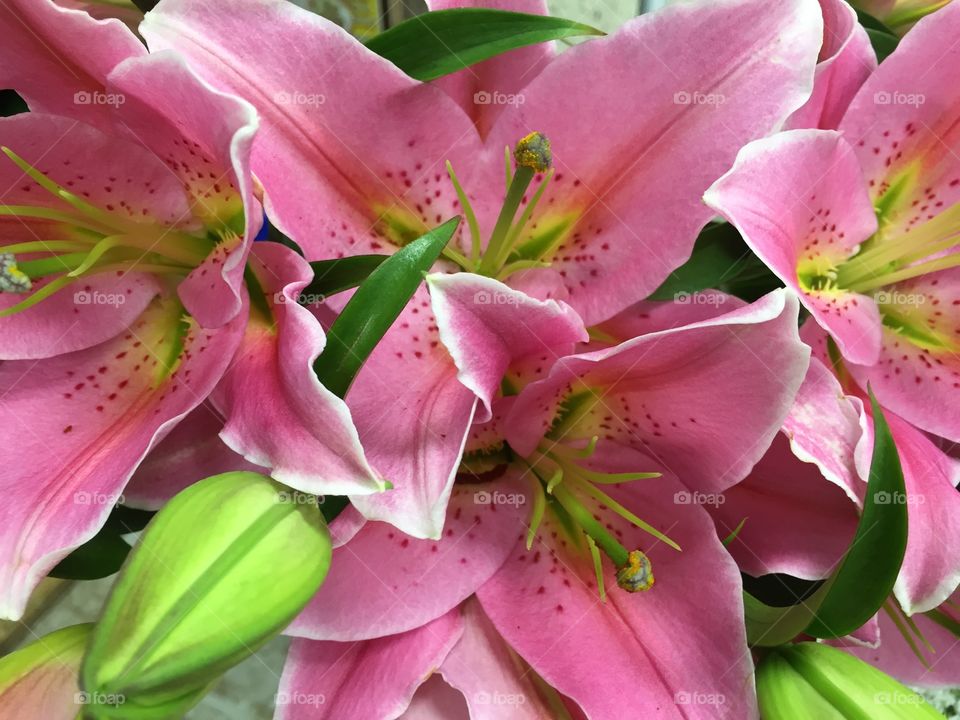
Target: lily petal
677, 650
799, 201
422, 579
58, 59
205, 138
102, 409
277, 412
634, 152
332, 680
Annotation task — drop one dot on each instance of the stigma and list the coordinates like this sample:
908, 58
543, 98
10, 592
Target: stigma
533, 151
12, 278
637, 574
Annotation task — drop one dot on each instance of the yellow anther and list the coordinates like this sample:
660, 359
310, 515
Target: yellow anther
637, 574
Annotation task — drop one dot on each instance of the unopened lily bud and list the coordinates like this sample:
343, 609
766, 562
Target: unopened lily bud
40, 680
534, 152
797, 682
221, 569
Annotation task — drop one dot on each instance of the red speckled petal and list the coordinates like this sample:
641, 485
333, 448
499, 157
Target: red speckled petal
798, 198
677, 650
101, 410
117, 176
634, 151
361, 163
205, 138
652, 397
918, 374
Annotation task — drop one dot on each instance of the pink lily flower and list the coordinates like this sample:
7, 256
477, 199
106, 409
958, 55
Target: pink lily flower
862, 223
597, 231
540, 531
124, 244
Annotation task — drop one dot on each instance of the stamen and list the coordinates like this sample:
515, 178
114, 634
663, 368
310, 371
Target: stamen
597, 567
536, 512
637, 574
12, 278
471, 218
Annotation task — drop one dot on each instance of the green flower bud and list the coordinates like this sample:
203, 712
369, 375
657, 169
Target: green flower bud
221, 569
40, 680
810, 680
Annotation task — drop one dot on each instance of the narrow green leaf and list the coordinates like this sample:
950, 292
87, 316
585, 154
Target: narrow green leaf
375, 306
100, 557
439, 43
866, 576
333, 276
882, 38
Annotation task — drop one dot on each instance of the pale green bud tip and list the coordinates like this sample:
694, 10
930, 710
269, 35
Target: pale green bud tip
533, 152
637, 574
12, 278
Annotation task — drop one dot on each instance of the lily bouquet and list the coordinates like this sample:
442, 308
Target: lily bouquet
617, 381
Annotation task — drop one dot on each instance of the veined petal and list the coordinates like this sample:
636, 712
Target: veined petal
205, 138
795, 521
74, 428
846, 61
634, 151
485, 89
705, 423
675, 650
918, 373
337, 675
366, 166
905, 125
406, 582
277, 412
798, 199
191, 452
117, 176
486, 326
489, 674
58, 59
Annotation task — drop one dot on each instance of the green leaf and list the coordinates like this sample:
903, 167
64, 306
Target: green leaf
770, 626
333, 276
869, 569
375, 306
882, 38
100, 557
439, 43
719, 255
221, 569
